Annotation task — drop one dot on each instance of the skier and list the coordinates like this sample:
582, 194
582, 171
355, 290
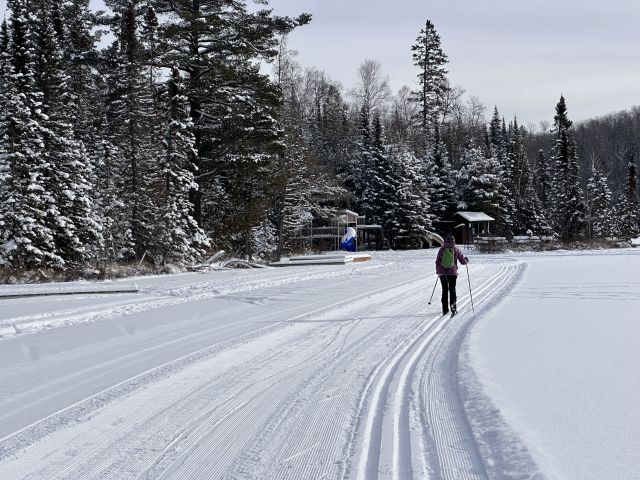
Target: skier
447, 270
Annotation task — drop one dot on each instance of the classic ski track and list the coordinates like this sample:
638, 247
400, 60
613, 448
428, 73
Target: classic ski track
301, 421
10, 327
256, 427
284, 408
399, 466
446, 434
28, 435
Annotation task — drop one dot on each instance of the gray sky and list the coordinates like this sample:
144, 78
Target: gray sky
518, 55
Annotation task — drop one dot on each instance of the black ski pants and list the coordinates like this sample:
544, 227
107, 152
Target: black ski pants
449, 297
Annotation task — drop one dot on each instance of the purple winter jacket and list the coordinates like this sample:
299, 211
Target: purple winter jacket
440, 270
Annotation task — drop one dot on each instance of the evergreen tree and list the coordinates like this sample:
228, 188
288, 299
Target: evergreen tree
543, 176
499, 156
567, 198
81, 59
131, 117
527, 208
627, 209
481, 183
232, 104
335, 131
362, 162
77, 232
601, 222
409, 219
380, 189
29, 241
429, 58
442, 189
178, 237
5, 92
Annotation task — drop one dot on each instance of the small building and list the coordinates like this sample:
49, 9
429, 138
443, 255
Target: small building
467, 226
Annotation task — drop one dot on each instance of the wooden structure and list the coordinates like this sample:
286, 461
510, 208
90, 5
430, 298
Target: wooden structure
325, 234
469, 225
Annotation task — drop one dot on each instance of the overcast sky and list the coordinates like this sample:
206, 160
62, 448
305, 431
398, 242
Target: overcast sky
518, 55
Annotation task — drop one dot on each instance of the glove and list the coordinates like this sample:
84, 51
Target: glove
466, 259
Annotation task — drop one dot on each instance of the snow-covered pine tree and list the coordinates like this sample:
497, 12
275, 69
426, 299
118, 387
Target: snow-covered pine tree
81, 58
177, 238
441, 180
410, 218
566, 198
380, 182
294, 184
109, 164
218, 45
600, 218
498, 156
28, 240
527, 210
432, 78
131, 117
481, 184
627, 209
335, 130
543, 177
5, 178
77, 231
362, 161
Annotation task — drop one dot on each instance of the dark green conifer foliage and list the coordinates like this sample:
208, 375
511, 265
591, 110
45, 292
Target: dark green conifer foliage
430, 59
567, 198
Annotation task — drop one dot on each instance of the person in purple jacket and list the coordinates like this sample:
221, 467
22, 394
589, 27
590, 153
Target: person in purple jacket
447, 269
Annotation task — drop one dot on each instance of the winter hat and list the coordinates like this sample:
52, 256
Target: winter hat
449, 237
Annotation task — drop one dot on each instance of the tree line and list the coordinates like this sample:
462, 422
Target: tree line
170, 140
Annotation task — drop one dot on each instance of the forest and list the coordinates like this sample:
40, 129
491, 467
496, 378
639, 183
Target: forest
159, 132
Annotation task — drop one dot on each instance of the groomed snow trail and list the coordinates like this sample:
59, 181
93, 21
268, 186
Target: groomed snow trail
358, 380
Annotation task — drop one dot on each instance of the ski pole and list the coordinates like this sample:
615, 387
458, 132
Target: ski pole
433, 291
470, 294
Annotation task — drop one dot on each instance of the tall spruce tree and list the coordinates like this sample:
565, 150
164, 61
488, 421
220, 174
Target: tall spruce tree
381, 186
178, 238
567, 198
429, 58
527, 209
131, 118
499, 156
441, 180
5, 177
600, 220
29, 241
76, 229
81, 59
363, 161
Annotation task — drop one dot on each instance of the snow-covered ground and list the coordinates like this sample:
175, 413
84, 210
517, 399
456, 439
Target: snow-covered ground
331, 372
